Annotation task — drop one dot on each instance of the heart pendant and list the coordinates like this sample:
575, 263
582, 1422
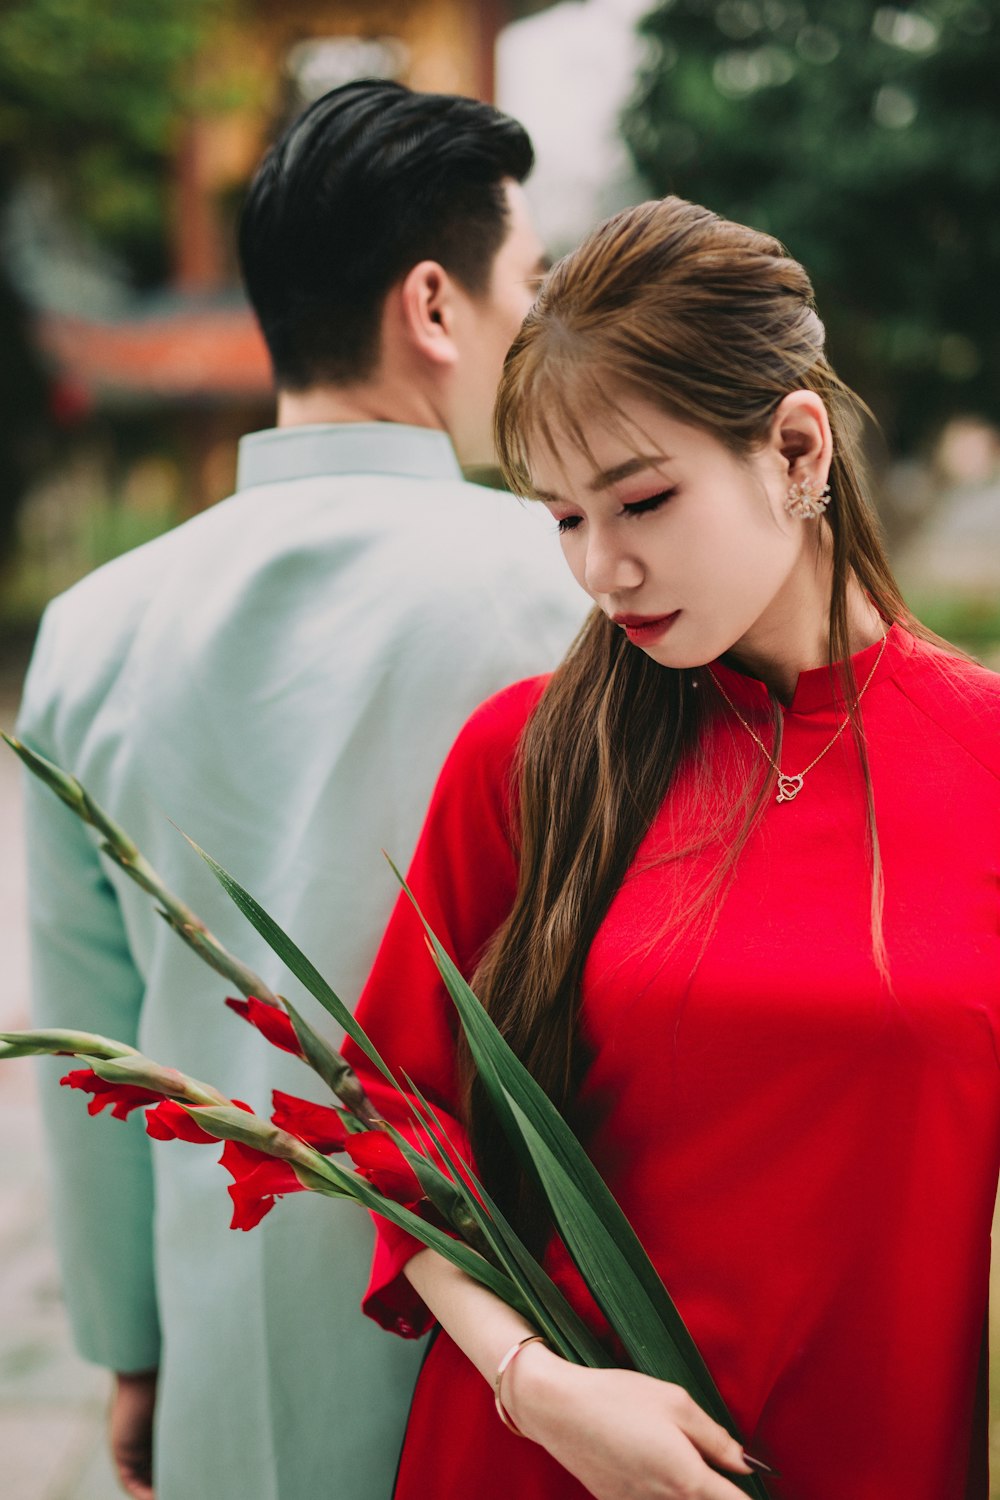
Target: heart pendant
788, 788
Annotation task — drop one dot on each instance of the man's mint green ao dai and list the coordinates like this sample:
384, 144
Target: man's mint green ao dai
281, 677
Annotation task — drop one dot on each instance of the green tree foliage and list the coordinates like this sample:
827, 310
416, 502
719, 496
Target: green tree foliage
867, 139
91, 95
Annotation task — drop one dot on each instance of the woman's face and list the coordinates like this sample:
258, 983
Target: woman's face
685, 546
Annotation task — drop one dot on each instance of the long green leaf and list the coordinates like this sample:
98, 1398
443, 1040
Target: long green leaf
504, 1077
563, 1326
608, 1274
575, 1340
457, 1251
610, 1280
293, 958
450, 1193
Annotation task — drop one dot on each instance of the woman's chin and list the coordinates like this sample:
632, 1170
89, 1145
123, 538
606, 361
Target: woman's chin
681, 656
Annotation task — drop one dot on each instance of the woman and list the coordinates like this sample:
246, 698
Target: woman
728, 883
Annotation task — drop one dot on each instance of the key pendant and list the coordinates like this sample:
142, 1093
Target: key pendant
788, 788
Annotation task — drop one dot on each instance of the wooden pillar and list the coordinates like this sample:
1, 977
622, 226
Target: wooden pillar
491, 17
198, 257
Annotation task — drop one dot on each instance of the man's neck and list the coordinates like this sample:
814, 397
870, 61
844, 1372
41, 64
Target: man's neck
357, 403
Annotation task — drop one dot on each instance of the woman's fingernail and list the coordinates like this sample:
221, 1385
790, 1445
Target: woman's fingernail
760, 1465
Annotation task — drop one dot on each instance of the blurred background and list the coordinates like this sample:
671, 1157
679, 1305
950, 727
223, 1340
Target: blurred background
866, 137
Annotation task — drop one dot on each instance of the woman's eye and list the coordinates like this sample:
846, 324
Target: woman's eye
567, 523
640, 507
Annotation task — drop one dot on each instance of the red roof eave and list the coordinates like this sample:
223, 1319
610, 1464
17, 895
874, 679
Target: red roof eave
200, 354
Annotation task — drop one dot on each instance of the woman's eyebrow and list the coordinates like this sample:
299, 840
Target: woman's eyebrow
607, 477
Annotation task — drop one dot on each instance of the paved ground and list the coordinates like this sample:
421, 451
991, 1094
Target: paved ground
51, 1403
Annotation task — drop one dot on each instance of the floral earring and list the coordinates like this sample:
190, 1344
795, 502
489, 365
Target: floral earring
806, 500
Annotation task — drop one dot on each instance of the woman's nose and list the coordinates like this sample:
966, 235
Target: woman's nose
610, 568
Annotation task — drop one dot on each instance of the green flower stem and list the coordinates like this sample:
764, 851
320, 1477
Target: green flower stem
335, 1071
51, 1042
125, 853
230, 1123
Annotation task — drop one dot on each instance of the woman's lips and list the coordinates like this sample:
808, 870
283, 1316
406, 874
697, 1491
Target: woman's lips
642, 630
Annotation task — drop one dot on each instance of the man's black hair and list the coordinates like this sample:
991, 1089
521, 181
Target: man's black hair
372, 179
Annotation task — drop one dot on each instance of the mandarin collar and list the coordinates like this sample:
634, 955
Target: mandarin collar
819, 688
316, 450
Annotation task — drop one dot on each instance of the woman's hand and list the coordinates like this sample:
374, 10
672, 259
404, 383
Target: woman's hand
623, 1435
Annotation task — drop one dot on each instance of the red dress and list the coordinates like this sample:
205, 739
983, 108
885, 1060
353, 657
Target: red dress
809, 1156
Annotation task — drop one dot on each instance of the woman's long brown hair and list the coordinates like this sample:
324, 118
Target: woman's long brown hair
713, 323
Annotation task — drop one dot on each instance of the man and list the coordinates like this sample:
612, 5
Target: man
282, 677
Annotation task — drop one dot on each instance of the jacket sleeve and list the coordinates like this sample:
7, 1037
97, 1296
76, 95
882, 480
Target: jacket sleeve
84, 976
464, 876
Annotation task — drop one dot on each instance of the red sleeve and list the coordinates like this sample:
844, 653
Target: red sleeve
464, 875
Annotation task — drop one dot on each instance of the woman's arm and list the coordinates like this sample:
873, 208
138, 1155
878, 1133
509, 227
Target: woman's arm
624, 1436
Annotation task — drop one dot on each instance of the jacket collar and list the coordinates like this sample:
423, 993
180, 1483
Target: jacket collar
311, 452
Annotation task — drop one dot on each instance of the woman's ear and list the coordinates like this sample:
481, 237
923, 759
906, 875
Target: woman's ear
427, 309
800, 437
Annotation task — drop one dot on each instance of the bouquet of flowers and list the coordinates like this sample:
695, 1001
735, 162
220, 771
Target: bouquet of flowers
422, 1184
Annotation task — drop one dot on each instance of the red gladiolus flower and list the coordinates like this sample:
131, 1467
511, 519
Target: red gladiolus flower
317, 1124
378, 1158
272, 1023
258, 1180
170, 1121
123, 1097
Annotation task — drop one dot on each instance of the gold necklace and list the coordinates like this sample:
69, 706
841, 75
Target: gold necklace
790, 786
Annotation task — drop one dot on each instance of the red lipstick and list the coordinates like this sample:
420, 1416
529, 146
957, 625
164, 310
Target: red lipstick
642, 630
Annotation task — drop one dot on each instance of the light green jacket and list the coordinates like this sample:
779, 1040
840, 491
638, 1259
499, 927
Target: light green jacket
281, 677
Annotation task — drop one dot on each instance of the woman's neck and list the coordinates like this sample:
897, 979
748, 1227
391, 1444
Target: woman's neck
793, 636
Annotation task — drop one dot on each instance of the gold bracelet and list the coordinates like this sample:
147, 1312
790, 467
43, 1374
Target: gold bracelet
502, 1367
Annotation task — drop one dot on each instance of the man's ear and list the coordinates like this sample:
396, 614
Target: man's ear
427, 308
800, 437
